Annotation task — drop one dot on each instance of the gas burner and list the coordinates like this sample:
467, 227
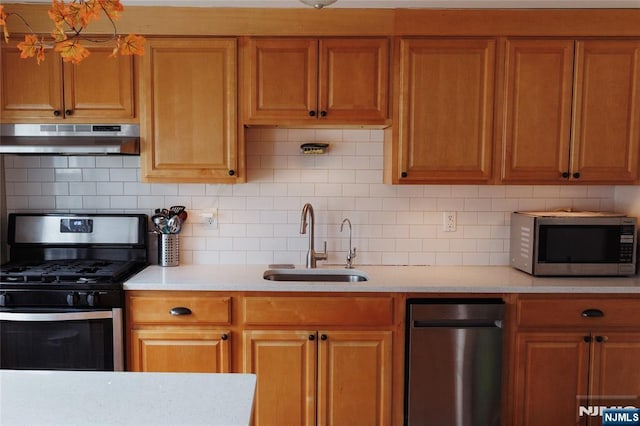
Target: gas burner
67, 272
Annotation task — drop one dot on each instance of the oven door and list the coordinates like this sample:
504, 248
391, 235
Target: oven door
51, 339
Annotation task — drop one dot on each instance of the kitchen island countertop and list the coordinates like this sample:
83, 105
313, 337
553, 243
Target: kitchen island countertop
406, 279
70, 398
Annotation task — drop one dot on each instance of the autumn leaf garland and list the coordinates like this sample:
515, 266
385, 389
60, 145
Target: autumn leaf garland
70, 20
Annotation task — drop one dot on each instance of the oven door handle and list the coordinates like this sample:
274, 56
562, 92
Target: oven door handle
62, 316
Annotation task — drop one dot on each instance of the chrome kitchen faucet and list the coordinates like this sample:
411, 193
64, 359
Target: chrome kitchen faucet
351, 253
312, 256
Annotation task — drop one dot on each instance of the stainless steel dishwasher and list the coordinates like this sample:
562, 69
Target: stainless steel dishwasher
453, 362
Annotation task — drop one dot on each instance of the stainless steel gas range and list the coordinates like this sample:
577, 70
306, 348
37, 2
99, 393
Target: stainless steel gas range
61, 295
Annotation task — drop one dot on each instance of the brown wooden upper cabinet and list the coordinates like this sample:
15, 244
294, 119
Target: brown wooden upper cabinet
100, 89
571, 111
189, 111
443, 125
316, 81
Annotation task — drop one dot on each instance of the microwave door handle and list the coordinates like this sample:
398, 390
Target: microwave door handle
65, 316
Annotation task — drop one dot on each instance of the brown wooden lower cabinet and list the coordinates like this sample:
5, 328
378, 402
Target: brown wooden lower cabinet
309, 377
178, 332
319, 359
571, 353
184, 351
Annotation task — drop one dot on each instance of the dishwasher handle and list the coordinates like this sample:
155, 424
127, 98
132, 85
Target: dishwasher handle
457, 324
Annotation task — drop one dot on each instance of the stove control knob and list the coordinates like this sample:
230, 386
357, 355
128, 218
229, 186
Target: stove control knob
72, 298
4, 298
92, 298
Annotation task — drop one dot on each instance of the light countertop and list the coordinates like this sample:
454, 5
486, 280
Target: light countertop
70, 398
404, 279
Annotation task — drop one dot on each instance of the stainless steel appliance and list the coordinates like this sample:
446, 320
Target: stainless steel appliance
61, 296
573, 243
70, 139
453, 362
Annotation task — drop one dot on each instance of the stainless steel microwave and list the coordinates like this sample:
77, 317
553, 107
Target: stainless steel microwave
573, 243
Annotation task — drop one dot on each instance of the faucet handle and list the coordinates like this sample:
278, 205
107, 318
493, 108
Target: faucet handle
323, 255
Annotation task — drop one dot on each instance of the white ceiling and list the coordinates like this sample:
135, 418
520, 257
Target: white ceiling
552, 4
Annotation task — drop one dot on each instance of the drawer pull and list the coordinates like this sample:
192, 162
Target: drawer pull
180, 310
592, 313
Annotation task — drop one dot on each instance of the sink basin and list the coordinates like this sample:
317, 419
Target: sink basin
316, 275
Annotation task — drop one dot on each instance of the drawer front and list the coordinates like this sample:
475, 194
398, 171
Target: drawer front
199, 309
331, 310
580, 312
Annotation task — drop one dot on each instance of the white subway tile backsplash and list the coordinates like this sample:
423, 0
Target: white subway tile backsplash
65, 202
40, 175
82, 162
37, 202
95, 202
82, 188
68, 175
259, 222
110, 161
56, 188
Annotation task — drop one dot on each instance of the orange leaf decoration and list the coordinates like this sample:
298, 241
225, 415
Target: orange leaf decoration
60, 13
111, 7
3, 23
58, 34
70, 20
29, 47
71, 51
132, 45
87, 11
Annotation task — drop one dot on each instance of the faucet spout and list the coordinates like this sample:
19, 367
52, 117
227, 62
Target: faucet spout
312, 256
351, 253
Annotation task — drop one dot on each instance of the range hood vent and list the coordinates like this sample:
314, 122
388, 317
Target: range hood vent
70, 139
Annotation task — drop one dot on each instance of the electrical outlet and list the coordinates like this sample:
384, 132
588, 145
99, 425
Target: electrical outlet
213, 218
449, 222
208, 218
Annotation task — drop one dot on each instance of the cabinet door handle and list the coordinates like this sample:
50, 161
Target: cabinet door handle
312, 337
323, 113
180, 310
592, 313
323, 337
56, 113
587, 339
312, 113
232, 172
565, 175
224, 336
404, 174
68, 112
600, 339
576, 175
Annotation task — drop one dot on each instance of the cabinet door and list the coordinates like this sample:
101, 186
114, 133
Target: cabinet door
551, 371
616, 376
30, 91
285, 365
446, 110
354, 79
188, 106
192, 351
537, 113
607, 111
354, 378
100, 88
281, 79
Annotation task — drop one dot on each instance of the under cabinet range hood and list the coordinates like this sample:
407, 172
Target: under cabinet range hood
70, 139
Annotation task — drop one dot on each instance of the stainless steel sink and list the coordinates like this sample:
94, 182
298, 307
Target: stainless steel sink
316, 275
